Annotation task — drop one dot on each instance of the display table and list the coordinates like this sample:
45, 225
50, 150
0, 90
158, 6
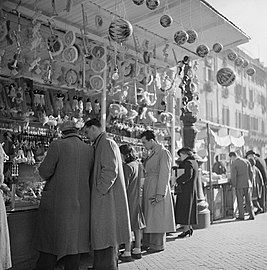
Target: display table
21, 229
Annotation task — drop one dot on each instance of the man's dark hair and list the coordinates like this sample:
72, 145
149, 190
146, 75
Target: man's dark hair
93, 122
149, 134
232, 154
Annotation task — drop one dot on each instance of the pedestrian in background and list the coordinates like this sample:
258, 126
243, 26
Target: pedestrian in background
133, 172
157, 202
5, 255
110, 220
257, 186
218, 166
63, 216
186, 191
241, 179
261, 165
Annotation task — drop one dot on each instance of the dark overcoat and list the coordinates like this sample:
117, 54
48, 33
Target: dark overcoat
110, 220
186, 201
64, 212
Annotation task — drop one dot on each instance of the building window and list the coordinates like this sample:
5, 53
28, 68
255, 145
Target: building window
225, 116
238, 119
209, 112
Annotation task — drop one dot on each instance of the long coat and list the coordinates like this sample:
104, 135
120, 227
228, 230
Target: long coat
110, 221
64, 212
5, 255
241, 173
132, 174
186, 201
159, 217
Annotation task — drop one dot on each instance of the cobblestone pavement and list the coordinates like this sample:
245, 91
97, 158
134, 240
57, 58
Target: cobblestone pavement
227, 244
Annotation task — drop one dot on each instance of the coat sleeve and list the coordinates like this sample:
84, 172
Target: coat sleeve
128, 174
109, 167
233, 175
48, 166
164, 172
188, 173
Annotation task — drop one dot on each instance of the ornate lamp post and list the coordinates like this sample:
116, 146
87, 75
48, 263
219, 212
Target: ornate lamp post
190, 109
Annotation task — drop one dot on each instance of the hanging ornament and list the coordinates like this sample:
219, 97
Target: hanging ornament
69, 38
97, 82
231, 55
202, 50
180, 37
239, 61
225, 76
166, 20
245, 63
217, 47
138, 2
152, 4
120, 30
251, 71
192, 36
98, 21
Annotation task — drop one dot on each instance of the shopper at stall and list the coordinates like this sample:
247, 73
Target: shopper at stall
64, 212
218, 166
257, 186
5, 255
186, 201
157, 202
110, 220
133, 172
241, 179
261, 165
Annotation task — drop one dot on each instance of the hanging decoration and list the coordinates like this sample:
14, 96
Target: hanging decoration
202, 50
245, 63
138, 2
192, 36
225, 76
251, 71
217, 47
120, 30
69, 38
180, 37
152, 4
54, 43
239, 61
166, 20
232, 55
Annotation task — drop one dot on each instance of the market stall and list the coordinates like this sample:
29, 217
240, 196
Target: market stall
84, 59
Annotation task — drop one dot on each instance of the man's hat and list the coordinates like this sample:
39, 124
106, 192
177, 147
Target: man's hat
250, 152
67, 125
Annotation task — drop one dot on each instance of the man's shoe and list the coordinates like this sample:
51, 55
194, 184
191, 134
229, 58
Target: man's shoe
251, 218
239, 218
125, 258
136, 256
152, 250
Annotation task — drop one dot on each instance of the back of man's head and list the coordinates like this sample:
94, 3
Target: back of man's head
93, 122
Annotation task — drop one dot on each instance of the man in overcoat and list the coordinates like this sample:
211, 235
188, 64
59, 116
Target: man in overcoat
110, 220
241, 178
64, 212
157, 201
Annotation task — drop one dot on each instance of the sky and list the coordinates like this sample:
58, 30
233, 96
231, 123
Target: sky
251, 17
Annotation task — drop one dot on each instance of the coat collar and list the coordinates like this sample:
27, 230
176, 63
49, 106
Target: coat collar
97, 140
71, 135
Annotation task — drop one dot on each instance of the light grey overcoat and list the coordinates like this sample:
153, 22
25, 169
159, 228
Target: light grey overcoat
160, 217
110, 222
64, 212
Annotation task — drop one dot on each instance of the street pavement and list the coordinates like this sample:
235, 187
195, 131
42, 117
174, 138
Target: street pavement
226, 244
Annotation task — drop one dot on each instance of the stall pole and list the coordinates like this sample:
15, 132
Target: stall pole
173, 128
104, 97
210, 174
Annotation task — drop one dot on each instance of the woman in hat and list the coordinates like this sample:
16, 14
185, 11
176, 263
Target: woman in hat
133, 172
186, 202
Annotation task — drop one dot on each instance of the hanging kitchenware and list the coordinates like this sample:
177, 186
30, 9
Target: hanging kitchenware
69, 38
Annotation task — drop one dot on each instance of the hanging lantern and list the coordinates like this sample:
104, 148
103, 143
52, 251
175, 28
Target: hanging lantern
120, 30
217, 47
245, 63
192, 36
239, 61
152, 4
232, 55
251, 71
138, 2
166, 20
202, 50
225, 76
180, 37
